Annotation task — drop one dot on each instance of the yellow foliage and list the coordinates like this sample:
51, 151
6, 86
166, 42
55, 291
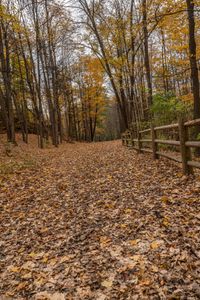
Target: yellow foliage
187, 98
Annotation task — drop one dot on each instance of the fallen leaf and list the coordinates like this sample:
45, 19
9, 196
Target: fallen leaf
107, 284
156, 244
14, 269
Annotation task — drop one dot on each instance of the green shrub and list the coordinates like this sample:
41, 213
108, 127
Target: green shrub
167, 108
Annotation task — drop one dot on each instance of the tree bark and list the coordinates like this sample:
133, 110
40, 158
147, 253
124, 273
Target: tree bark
146, 54
193, 61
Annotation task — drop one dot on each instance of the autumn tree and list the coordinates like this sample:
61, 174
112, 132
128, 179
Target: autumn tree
59, 72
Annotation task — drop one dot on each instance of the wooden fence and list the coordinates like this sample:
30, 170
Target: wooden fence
184, 144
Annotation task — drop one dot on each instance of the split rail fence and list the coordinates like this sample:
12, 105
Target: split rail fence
184, 144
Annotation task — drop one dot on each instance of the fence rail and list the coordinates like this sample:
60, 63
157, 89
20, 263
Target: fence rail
184, 144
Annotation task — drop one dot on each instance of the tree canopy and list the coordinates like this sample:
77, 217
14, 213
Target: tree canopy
66, 66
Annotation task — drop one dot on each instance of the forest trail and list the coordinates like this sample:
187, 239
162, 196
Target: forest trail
98, 221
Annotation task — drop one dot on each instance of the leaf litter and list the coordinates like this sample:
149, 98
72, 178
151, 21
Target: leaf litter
98, 221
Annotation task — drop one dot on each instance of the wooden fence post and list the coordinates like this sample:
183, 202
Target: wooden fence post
126, 139
185, 151
139, 142
131, 135
154, 144
129, 139
122, 137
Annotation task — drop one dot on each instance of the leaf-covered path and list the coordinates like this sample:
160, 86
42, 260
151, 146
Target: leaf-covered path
98, 221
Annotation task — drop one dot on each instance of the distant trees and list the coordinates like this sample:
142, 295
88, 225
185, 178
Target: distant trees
38, 75
30, 42
88, 78
143, 46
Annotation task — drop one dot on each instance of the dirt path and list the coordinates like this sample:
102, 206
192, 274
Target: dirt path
97, 221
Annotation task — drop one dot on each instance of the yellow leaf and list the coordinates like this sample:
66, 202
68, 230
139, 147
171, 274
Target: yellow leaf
28, 265
128, 211
45, 259
33, 254
53, 261
165, 200
107, 283
21, 250
136, 258
10, 294
21, 286
155, 245
155, 269
40, 281
65, 258
36, 255
27, 276
104, 241
134, 242
14, 269
43, 230
123, 226
109, 206
145, 282
48, 296
166, 222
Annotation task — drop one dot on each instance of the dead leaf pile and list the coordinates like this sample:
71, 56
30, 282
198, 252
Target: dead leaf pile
98, 221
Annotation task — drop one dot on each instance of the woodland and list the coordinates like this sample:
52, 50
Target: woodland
82, 216
89, 70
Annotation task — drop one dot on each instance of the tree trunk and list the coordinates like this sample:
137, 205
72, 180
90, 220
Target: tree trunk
193, 66
146, 54
193, 61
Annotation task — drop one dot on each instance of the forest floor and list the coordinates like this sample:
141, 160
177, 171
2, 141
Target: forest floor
97, 221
